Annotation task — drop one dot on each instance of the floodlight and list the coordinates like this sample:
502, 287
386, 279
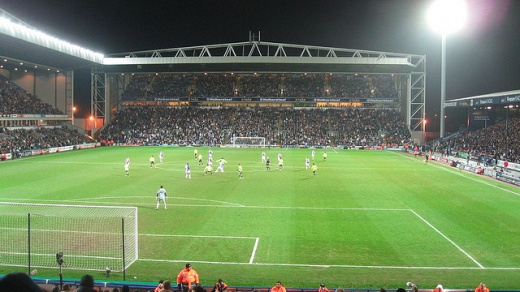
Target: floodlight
446, 16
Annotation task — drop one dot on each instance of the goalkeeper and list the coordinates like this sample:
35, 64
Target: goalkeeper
161, 197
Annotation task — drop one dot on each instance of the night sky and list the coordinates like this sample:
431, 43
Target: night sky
484, 57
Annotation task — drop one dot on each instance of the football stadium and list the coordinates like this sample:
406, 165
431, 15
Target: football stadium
253, 163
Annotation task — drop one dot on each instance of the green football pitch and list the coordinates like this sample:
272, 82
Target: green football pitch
369, 219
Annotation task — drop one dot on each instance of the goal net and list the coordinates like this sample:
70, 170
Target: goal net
90, 237
252, 142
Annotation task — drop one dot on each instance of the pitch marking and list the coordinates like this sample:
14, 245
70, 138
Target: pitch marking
449, 240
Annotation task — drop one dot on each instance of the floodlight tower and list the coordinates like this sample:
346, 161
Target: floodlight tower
446, 16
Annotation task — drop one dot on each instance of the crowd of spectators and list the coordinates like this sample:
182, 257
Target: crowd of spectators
280, 126
143, 86
258, 85
22, 135
490, 142
21, 282
15, 100
17, 141
304, 85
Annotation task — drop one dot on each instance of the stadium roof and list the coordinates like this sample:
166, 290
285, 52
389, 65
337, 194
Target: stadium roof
21, 43
498, 98
262, 57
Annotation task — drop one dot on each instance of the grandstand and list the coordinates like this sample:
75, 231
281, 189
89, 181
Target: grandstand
490, 139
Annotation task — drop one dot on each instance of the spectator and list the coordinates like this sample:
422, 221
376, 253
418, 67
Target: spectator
278, 287
323, 288
86, 284
159, 286
19, 282
198, 289
167, 286
220, 286
482, 288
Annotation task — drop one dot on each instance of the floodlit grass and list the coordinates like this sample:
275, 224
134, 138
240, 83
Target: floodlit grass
369, 219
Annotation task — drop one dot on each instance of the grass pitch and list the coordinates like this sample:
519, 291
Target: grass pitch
369, 219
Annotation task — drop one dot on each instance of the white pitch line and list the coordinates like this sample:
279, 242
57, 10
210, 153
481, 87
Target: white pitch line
228, 205
331, 266
451, 241
254, 250
200, 236
327, 208
147, 197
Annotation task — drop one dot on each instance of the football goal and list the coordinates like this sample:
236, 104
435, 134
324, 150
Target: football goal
90, 237
248, 142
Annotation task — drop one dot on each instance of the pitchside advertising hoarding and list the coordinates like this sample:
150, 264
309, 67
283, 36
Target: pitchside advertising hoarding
508, 165
484, 101
265, 99
19, 116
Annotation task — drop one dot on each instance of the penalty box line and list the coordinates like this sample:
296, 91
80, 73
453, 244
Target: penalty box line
253, 253
448, 239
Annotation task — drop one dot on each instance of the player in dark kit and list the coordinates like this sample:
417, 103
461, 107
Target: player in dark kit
267, 163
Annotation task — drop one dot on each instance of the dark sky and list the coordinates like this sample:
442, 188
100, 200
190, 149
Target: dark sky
482, 58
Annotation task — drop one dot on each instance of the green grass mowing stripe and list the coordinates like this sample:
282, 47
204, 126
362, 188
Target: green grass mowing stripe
209, 248
374, 250
445, 237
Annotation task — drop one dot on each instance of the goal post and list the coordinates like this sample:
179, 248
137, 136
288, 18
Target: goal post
248, 142
90, 237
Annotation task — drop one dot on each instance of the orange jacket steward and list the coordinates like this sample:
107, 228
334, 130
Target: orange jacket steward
187, 277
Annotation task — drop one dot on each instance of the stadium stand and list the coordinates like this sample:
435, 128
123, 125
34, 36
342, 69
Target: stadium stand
143, 86
19, 137
492, 151
487, 144
15, 100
